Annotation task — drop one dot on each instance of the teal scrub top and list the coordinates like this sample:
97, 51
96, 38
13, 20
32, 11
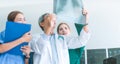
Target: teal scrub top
75, 55
6, 58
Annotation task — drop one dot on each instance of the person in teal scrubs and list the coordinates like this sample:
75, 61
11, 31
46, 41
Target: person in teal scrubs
7, 58
74, 53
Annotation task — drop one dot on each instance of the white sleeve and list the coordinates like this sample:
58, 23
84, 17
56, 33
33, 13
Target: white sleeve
79, 41
32, 43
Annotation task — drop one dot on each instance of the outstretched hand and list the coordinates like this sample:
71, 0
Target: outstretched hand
84, 12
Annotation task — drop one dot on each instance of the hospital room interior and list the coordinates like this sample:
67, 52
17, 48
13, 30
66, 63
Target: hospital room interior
103, 20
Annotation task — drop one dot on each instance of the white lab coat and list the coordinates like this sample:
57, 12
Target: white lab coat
42, 48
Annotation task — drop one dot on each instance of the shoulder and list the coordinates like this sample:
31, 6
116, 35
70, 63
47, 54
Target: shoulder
60, 37
36, 37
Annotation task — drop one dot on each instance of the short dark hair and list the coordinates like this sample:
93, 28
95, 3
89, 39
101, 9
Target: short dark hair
12, 15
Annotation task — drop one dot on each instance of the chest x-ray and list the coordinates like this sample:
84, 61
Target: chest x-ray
69, 10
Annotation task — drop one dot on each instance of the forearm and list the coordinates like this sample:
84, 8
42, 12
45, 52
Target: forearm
84, 37
26, 61
79, 41
9, 45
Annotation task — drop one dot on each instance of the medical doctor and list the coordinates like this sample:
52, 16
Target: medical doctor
51, 48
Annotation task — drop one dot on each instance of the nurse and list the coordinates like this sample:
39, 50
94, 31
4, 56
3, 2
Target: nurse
51, 48
6, 58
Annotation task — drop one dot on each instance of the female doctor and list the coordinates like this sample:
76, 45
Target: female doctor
51, 48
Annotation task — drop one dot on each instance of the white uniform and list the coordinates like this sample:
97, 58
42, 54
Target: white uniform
43, 51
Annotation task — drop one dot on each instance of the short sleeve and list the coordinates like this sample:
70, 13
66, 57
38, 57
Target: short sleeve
2, 35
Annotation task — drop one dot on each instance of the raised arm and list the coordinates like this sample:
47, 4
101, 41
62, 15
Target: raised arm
79, 41
82, 39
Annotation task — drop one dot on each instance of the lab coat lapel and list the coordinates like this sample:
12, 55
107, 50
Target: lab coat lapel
50, 51
58, 44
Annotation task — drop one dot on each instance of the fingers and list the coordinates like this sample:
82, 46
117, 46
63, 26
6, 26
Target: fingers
84, 12
28, 33
27, 37
25, 49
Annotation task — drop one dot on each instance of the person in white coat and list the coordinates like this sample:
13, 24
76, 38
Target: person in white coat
63, 28
51, 48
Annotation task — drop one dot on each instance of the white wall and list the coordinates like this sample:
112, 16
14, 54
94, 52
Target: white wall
103, 18
104, 22
31, 9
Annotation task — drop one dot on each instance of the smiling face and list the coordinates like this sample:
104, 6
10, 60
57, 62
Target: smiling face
20, 18
63, 29
16, 16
